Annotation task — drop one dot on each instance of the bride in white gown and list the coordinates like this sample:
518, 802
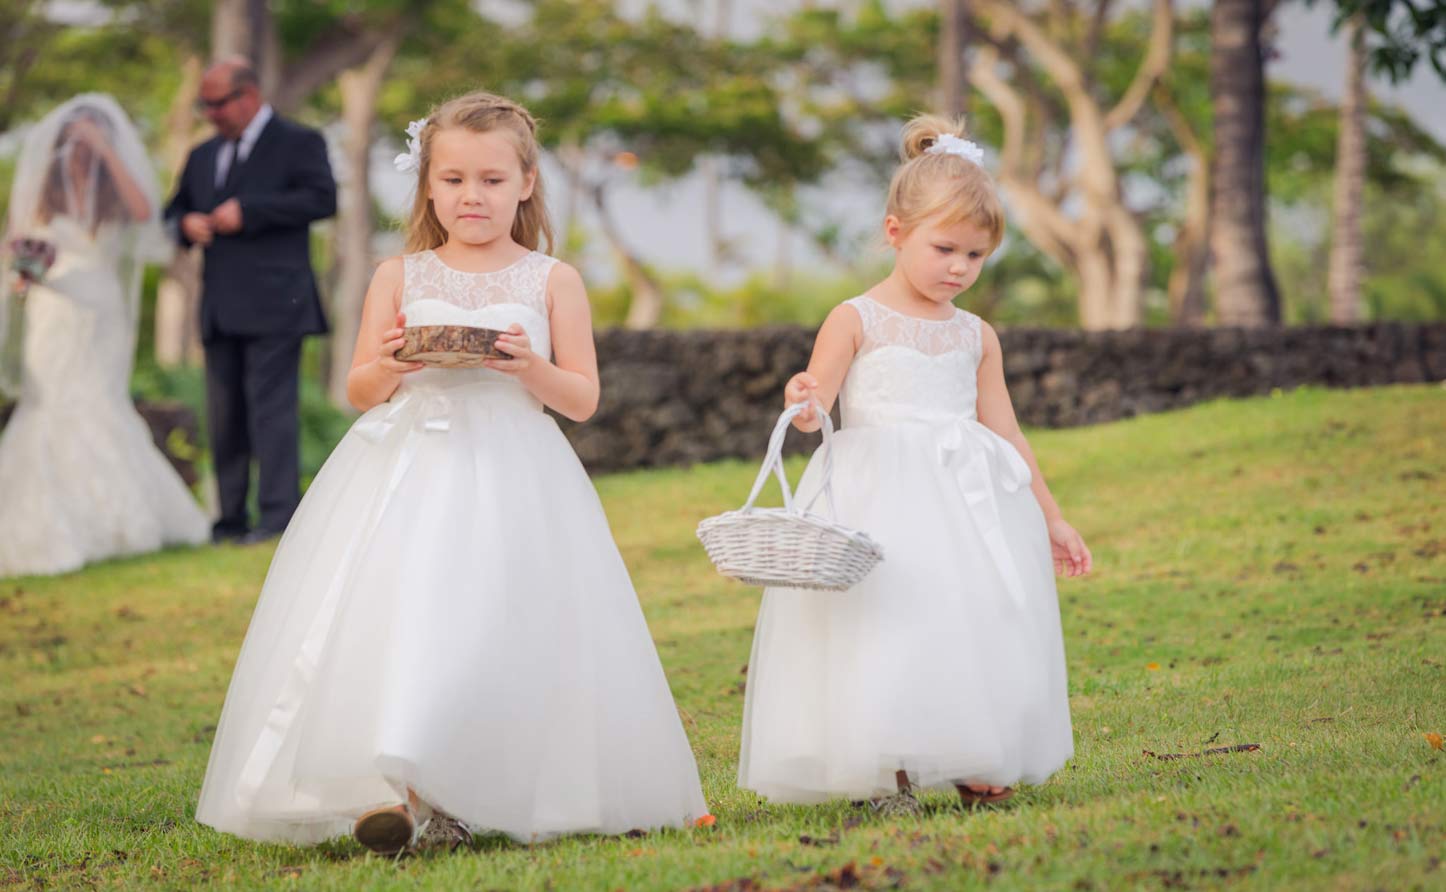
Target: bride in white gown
81, 477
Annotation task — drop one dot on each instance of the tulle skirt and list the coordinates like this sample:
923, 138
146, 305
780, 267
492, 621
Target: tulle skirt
447, 612
946, 662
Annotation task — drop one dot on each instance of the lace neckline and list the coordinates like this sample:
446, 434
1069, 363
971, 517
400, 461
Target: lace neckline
883, 306
487, 272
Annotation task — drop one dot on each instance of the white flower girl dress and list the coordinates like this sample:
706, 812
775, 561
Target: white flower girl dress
448, 612
947, 660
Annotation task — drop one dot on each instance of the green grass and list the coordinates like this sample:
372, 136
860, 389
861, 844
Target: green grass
1270, 571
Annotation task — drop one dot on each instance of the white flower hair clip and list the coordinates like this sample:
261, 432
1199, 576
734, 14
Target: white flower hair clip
949, 144
410, 161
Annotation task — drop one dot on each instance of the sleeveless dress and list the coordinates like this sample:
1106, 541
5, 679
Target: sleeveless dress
447, 611
947, 661
81, 477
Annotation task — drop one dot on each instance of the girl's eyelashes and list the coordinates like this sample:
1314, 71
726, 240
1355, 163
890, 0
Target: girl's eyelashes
457, 180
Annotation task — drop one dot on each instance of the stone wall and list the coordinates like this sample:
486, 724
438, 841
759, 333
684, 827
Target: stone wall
681, 397
678, 397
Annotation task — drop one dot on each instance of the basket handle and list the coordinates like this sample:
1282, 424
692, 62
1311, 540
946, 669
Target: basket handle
773, 460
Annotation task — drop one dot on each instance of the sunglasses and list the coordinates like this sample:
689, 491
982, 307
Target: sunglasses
204, 105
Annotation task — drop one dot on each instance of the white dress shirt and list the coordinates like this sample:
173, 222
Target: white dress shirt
243, 147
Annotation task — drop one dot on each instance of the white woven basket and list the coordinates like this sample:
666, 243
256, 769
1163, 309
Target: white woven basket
789, 547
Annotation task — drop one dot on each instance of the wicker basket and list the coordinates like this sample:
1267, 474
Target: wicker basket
789, 547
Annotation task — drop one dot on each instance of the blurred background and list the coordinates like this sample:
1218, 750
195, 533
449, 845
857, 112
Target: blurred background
722, 163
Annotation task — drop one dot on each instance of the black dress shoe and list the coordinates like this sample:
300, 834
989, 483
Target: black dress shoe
224, 535
259, 536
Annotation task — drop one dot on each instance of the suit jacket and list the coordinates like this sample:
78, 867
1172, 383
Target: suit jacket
258, 282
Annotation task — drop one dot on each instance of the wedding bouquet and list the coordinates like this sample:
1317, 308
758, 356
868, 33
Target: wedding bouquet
31, 260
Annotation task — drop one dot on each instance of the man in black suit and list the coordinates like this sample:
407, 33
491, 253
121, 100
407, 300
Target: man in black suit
248, 196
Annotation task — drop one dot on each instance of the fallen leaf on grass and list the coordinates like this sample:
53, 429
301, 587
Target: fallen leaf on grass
1434, 739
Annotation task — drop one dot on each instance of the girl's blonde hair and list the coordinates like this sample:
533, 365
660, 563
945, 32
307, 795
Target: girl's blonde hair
942, 184
481, 112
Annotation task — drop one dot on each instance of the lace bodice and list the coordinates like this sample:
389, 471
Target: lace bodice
911, 369
434, 293
522, 282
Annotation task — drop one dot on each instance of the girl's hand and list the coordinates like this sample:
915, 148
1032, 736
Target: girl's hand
516, 344
1071, 556
800, 389
392, 341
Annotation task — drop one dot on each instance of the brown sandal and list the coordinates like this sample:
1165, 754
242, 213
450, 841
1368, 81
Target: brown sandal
386, 831
974, 797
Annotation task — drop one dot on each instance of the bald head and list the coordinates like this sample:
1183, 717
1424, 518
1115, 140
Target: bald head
230, 95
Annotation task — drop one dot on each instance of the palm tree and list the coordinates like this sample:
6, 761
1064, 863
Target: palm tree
1246, 293
1344, 283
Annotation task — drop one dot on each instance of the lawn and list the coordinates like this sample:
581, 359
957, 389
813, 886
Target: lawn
1268, 571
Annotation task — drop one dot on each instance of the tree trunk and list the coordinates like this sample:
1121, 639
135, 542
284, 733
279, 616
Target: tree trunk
1087, 228
710, 168
1186, 288
950, 58
572, 160
1346, 248
783, 257
246, 28
1246, 292
177, 321
230, 28
359, 88
712, 213
646, 308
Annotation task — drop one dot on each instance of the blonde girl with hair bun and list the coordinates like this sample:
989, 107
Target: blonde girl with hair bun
944, 667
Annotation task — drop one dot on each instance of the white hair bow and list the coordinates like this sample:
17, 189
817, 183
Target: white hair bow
410, 161
949, 144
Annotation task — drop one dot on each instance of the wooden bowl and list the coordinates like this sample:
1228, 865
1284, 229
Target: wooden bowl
450, 346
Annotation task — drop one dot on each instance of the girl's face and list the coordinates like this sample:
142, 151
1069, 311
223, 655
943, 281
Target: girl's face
939, 260
476, 182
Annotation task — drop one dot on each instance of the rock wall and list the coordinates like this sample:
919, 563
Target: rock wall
678, 397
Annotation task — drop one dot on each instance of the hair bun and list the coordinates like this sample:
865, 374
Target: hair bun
924, 130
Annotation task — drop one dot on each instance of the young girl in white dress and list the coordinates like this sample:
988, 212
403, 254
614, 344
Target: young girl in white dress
944, 667
448, 636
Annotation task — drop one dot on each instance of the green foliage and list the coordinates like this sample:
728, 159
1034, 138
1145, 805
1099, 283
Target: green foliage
1404, 230
136, 57
1402, 32
1267, 572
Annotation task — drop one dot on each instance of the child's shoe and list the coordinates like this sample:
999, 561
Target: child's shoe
386, 831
